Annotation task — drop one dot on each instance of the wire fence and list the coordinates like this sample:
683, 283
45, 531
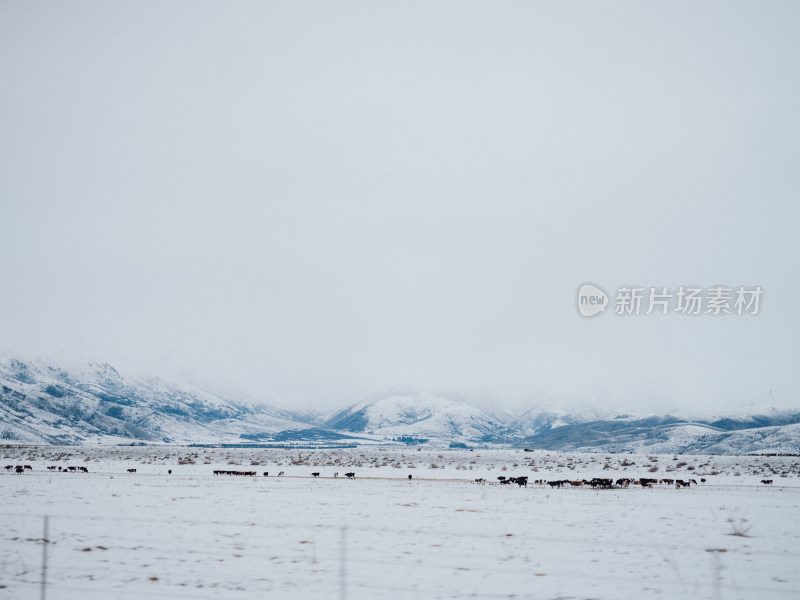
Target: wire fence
62, 557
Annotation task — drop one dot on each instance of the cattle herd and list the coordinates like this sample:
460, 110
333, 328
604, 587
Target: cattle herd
520, 481
266, 473
23, 468
595, 483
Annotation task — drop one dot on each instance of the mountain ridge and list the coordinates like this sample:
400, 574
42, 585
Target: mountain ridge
88, 402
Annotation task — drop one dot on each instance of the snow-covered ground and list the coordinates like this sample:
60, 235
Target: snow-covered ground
191, 534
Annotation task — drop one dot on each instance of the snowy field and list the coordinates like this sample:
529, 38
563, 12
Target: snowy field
191, 534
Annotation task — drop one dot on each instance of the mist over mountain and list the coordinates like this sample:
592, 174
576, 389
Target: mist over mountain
90, 402
406, 412
44, 401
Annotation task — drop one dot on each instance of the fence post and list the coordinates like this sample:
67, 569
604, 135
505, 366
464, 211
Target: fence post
715, 572
343, 565
45, 542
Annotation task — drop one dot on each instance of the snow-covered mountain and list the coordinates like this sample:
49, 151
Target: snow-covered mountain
537, 420
409, 413
81, 402
756, 430
65, 402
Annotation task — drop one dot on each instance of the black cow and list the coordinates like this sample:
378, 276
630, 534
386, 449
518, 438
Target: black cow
315, 474
766, 481
350, 475
599, 482
520, 481
134, 471
409, 477
266, 473
19, 469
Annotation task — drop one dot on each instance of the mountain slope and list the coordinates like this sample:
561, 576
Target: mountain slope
63, 402
73, 403
402, 412
771, 431
539, 420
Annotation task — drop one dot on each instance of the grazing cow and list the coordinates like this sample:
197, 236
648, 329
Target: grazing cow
315, 474
694, 481
702, 480
280, 474
766, 481
29, 468
266, 473
599, 482
522, 481
679, 483
73, 469
480, 480
501, 479
83, 469
9, 467
19, 469
409, 477
134, 471
350, 475
51, 468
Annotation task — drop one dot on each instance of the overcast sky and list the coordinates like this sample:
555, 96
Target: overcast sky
314, 201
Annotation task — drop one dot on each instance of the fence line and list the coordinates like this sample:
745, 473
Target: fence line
346, 558
382, 531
